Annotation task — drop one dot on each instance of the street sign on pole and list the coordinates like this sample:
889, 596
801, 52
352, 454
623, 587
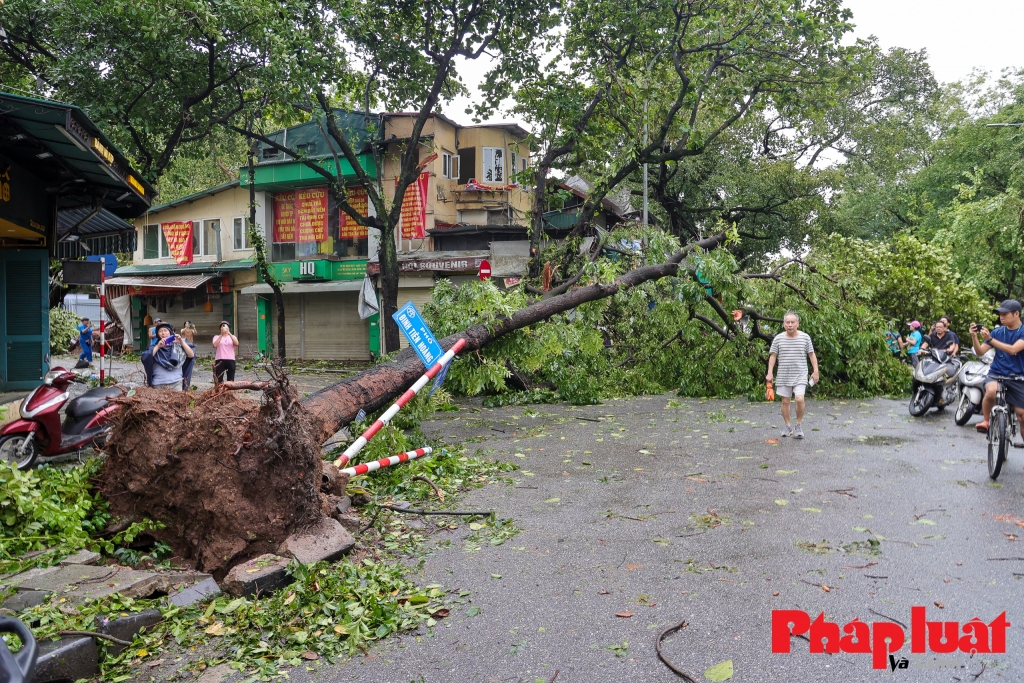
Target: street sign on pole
421, 339
485, 270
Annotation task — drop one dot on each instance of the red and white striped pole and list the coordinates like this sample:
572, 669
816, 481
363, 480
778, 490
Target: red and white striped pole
387, 462
358, 444
103, 315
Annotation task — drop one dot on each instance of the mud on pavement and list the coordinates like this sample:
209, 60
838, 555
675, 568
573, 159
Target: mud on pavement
668, 509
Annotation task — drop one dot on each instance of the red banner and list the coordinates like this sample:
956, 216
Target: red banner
179, 241
284, 216
414, 208
360, 201
311, 214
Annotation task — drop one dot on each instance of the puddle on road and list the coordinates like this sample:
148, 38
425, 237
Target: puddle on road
879, 440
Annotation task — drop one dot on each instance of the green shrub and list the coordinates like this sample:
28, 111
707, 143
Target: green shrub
63, 329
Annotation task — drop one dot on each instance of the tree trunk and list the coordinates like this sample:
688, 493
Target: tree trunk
372, 389
261, 259
389, 287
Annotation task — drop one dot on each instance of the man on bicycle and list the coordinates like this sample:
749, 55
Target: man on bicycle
1008, 341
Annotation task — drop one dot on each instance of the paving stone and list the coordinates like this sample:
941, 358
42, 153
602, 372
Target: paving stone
78, 582
125, 628
67, 659
24, 599
216, 674
83, 556
326, 540
259, 576
193, 594
350, 520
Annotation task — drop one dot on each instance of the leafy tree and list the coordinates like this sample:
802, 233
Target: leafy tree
156, 75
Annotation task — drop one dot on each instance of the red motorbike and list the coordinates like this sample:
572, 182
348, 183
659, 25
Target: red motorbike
39, 432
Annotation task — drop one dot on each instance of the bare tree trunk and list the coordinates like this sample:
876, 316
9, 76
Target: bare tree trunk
371, 389
259, 244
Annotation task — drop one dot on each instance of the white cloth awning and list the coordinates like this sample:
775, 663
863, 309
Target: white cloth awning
162, 281
306, 287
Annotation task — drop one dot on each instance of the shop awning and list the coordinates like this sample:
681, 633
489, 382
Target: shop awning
306, 287
164, 281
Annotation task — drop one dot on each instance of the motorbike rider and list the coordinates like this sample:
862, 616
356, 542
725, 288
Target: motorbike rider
1008, 341
943, 339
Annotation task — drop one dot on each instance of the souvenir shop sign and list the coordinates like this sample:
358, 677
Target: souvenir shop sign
350, 228
414, 208
179, 240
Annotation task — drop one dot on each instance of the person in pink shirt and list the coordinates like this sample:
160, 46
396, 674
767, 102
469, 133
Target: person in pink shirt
224, 359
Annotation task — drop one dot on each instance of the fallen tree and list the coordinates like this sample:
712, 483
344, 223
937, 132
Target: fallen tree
337, 405
230, 482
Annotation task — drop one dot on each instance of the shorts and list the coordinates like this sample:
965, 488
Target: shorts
1014, 391
792, 390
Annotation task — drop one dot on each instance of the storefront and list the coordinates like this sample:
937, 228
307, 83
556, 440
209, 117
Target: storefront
52, 159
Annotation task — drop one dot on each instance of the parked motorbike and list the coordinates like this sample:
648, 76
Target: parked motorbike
39, 432
971, 387
934, 382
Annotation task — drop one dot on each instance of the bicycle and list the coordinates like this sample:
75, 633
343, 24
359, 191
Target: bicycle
1002, 427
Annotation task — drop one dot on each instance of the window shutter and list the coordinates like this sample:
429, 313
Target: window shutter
455, 167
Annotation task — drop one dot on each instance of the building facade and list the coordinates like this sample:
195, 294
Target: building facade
53, 162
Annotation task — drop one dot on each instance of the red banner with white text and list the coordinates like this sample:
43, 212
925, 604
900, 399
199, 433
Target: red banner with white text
179, 241
414, 208
284, 216
350, 228
311, 214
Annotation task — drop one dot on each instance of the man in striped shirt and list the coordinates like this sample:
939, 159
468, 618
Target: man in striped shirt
791, 349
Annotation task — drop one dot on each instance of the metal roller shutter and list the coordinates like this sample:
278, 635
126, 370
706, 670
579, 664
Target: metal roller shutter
419, 296
333, 328
247, 321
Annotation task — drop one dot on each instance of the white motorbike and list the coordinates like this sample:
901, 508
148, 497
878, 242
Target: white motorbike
971, 387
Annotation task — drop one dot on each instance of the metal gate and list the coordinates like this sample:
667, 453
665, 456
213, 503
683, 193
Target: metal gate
25, 319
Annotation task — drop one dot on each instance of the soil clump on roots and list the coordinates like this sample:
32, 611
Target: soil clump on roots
230, 477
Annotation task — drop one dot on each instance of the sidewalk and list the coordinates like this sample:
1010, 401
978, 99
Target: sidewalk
306, 376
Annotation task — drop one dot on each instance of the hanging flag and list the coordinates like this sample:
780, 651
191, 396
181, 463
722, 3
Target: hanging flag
179, 241
414, 208
284, 216
350, 228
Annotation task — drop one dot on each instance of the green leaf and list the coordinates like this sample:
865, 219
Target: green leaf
719, 672
781, 501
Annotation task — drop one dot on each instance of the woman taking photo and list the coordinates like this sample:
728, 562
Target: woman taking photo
226, 344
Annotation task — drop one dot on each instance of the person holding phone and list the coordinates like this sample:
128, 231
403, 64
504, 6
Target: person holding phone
1008, 341
226, 345
170, 360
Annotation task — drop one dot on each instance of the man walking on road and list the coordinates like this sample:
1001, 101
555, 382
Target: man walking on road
791, 349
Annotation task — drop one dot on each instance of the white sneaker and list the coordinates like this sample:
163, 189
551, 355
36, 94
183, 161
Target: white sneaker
787, 431
798, 432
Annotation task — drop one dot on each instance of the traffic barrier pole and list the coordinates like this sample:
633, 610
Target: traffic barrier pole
387, 462
358, 444
103, 315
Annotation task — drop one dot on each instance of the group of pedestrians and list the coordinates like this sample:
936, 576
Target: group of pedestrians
939, 337
168, 361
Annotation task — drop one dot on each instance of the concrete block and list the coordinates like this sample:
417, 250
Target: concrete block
259, 576
350, 520
67, 659
125, 628
83, 556
24, 600
79, 582
193, 594
325, 540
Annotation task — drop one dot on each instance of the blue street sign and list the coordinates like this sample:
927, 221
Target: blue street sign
421, 339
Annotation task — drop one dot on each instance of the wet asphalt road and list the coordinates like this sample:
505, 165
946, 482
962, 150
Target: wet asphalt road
672, 509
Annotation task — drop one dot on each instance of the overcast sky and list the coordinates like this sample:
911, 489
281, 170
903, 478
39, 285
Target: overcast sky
958, 36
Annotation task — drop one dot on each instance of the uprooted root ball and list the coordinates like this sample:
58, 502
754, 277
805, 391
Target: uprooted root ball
229, 477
